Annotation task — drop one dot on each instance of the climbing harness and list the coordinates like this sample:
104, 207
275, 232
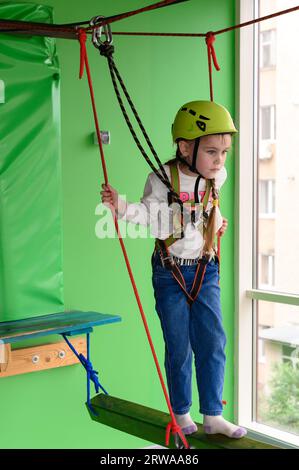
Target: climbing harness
162, 246
106, 49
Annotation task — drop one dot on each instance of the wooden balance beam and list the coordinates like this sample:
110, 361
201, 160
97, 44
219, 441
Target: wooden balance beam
150, 425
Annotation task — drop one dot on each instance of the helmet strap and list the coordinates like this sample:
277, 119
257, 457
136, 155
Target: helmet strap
194, 157
195, 150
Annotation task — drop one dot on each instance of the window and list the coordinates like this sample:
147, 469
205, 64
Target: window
267, 132
268, 122
268, 49
278, 366
266, 198
267, 189
267, 271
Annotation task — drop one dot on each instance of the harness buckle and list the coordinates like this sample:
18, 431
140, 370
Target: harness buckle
167, 261
207, 256
99, 31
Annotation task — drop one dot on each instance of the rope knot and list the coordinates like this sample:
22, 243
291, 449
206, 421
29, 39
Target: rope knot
93, 374
82, 36
210, 39
106, 50
178, 434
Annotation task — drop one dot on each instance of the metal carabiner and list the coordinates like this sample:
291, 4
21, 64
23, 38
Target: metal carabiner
99, 31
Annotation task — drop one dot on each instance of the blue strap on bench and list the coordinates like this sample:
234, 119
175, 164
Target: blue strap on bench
92, 374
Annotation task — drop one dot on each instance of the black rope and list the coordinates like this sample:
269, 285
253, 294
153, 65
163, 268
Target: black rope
148, 141
107, 50
196, 198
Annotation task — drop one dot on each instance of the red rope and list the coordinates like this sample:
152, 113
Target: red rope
84, 63
210, 39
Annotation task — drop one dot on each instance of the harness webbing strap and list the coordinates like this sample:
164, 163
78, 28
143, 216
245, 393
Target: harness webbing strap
175, 183
198, 278
177, 273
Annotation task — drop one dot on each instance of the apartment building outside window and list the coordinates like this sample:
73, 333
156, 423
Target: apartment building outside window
268, 48
267, 271
267, 198
268, 122
268, 230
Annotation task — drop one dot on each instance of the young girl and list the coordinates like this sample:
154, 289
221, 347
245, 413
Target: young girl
185, 262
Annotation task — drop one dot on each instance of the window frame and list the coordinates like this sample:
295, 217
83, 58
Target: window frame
246, 191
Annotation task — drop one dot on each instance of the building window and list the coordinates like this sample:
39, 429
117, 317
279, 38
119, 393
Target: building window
267, 271
266, 198
268, 48
268, 122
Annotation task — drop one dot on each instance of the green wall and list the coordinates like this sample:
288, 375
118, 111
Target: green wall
46, 409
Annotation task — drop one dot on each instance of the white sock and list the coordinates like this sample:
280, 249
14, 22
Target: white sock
219, 425
186, 423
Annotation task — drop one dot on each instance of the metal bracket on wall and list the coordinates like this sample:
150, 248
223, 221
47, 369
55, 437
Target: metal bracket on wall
105, 138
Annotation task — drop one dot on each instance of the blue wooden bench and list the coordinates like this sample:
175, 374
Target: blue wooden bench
68, 323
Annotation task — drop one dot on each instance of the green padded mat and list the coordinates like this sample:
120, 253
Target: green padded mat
31, 277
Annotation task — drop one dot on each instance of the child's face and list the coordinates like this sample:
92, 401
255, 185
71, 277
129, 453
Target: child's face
211, 153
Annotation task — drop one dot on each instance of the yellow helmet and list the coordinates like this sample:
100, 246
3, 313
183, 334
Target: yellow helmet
198, 118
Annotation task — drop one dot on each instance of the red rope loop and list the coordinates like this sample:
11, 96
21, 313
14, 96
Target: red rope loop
82, 40
210, 39
175, 429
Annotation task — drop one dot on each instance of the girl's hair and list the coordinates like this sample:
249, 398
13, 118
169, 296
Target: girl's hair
175, 159
210, 231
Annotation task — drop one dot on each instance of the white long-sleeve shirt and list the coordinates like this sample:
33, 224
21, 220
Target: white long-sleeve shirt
153, 211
